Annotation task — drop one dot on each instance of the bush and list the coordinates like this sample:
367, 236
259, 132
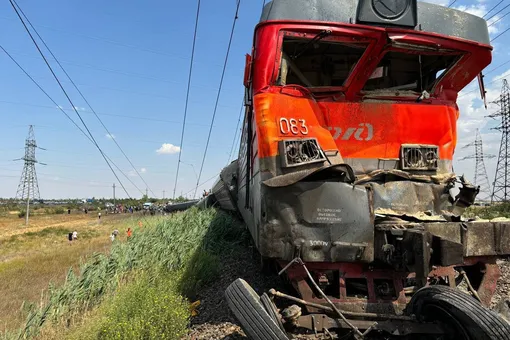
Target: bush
22, 213
59, 211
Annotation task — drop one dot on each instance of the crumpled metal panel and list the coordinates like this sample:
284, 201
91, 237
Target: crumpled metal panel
478, 238
327, 221
224, 190
431, 17
405, 197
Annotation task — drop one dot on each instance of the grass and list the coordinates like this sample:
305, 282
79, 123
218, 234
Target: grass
36, 256
182, 249
148, 307
490, 212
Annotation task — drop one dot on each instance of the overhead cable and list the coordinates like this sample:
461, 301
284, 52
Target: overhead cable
219, 93
499, 35
493, 7
235, 133
187, 95
454, 1
65, 113
65, 93
83, 97
501, 10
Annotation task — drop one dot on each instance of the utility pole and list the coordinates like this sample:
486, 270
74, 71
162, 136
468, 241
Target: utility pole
147, 192
114, 195
481, 178
163, 194
28, 184
501, 185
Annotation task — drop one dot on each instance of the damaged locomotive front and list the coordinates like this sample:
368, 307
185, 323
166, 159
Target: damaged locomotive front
344, 175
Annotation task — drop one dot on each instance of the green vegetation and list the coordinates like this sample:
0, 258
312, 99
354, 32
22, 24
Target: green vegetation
149, 307
178, 256
490, 212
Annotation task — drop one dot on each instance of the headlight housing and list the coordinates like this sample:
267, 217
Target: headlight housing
294, 152
419, 157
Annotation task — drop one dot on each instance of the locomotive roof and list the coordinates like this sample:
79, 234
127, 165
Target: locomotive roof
432, 18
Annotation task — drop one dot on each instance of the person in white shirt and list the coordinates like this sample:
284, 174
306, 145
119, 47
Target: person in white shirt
75, 235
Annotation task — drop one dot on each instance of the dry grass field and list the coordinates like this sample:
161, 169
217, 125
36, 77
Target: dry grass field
32, 257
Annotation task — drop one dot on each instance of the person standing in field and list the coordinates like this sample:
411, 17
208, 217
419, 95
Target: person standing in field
129, 233
112, 237
75, 235
99, 215
70, 238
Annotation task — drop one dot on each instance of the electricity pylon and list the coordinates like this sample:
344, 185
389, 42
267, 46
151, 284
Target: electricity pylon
28, 187
501, 185
481, 178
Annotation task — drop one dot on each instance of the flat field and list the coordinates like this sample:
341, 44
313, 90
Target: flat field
32, 257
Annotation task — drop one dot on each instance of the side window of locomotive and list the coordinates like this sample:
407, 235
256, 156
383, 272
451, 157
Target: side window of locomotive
317, 64
411, 72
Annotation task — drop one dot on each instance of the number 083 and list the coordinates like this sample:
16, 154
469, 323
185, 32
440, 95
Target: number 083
293, 126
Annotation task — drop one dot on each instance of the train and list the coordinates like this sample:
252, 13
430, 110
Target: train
344, 176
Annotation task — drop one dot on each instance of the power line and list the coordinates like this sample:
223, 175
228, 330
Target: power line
490, 10
496, 21
454, 1
219, 92
495, 80
501, 10
187, 95
107, 114
112, 42
204, 182
65, 92
124, 73
65, 113
499, 35
235, 133
83, 97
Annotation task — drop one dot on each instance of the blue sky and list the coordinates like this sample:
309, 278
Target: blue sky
131, 58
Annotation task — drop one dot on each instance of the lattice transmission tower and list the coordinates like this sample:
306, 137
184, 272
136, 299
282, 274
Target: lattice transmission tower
501, 185
481, 178
28, 188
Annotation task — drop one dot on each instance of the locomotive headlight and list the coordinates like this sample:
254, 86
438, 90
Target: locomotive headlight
419, 157
300, 151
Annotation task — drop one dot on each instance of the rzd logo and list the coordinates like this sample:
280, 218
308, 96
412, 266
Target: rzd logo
365, 132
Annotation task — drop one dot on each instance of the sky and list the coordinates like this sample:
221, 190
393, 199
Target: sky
131, 61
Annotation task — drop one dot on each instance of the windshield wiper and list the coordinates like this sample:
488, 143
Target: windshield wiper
321, 35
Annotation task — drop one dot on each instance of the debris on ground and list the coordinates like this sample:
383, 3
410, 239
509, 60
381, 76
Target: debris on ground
215, 321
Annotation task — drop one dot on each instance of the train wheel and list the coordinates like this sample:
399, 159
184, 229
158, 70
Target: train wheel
249, 311
463, 317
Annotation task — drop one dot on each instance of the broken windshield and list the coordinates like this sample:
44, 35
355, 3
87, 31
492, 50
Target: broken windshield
317, 63
409, 72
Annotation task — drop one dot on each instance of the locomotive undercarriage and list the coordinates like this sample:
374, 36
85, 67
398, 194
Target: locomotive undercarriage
355, 263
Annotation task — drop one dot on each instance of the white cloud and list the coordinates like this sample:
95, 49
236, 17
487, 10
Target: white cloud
439, 2
478, 9
168, 149
473, 115
143, 170
110, 136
